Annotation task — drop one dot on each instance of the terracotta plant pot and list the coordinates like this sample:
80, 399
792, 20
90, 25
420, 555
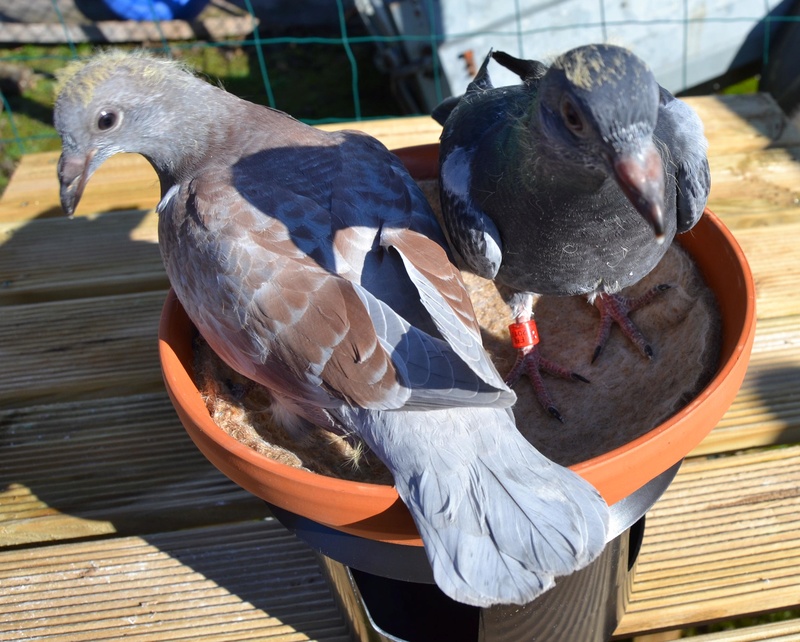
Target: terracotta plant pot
376, 512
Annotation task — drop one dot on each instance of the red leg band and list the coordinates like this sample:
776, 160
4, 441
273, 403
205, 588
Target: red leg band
524, 334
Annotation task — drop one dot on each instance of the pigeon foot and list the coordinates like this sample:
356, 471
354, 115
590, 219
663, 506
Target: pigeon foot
616, 308
530, 362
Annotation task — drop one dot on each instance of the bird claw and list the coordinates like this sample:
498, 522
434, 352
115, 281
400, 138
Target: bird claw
530, 363
616, 308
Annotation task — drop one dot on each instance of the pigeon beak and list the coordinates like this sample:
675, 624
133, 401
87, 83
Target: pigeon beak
73, 174
640, 175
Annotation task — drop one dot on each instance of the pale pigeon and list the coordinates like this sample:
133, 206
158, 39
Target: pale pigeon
312, 263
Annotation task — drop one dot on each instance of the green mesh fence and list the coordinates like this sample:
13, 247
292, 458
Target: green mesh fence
337, 60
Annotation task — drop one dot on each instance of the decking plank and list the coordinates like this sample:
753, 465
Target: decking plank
59, 258
80, 349
787, 631
723, 542
122, 465
207, 583
124, 182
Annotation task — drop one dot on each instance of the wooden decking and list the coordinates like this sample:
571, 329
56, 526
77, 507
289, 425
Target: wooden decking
113, 525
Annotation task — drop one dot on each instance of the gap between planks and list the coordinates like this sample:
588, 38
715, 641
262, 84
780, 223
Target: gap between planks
788, 631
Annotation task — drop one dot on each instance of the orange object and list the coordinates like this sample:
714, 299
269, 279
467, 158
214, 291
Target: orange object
524, 334
376, 511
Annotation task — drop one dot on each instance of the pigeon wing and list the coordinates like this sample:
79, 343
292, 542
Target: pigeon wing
680, 130
444, 295
296, 257
477, 117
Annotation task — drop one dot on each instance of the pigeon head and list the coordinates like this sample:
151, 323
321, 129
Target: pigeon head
598, 109
122, 102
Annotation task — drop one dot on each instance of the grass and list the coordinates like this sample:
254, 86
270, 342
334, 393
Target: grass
26, 122
311, 81
746, 86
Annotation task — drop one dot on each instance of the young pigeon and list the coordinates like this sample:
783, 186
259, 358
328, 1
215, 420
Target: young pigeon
573, 182
312, 264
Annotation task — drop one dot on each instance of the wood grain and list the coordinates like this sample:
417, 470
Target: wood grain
104, 500
170, 586
80, 469
723, 542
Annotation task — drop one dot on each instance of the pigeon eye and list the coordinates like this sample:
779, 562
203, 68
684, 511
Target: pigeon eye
106, 120
571, 117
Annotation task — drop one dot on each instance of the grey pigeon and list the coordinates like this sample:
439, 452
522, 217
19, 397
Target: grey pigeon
312, 264
573, 182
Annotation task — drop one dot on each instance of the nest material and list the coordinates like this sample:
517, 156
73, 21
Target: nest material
242, 409
627, 397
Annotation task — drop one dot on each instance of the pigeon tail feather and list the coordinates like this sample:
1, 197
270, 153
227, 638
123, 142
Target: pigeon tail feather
498, 519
